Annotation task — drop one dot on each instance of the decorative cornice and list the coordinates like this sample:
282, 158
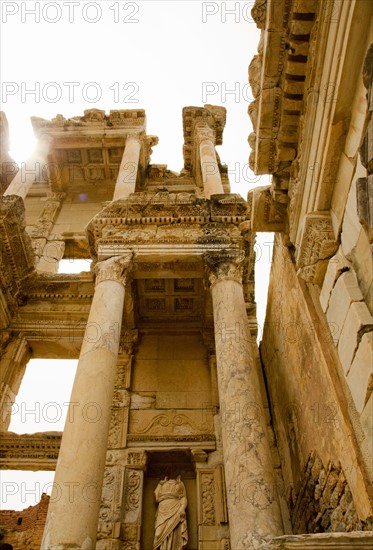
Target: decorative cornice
277, 76
114, 269
93, 119
29, 452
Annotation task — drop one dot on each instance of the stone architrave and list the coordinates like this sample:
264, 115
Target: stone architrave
126, 179
211, 178
75, 501
31, 170
253, 509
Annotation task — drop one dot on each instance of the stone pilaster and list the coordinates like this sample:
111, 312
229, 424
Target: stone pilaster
254, 513
75, 501
13, 365
211, 178
31, 170
126, 179
133, 494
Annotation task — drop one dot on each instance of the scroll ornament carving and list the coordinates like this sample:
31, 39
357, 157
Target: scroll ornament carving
110, 508
133, 484
224, 265
172, 423
114, 269
115, 430
208, 505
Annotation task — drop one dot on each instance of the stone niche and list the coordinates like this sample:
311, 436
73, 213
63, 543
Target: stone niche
171, 464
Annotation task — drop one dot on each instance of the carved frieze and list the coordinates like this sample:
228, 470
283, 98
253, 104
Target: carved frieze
167, 218
228, 208
169, 423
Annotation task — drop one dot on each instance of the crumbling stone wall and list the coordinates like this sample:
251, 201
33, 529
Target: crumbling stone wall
24, 529
324, 502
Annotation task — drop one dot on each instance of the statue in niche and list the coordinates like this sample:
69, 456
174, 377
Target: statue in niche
170, 520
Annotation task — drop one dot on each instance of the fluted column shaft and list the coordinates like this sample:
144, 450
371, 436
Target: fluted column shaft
253, 509
211, 178
126, 179
30, 169
75, 501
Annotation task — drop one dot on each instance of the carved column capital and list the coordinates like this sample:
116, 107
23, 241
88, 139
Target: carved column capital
114, 269
224, 265
137, 137
203, 132
137, 460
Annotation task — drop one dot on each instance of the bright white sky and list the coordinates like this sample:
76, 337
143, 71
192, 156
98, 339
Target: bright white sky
159, 55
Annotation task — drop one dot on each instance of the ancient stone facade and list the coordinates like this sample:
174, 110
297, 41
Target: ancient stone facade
273, 445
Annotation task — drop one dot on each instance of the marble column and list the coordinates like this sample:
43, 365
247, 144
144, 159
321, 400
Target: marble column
211, 178
126, 180
253, 509
32, 169
73, 512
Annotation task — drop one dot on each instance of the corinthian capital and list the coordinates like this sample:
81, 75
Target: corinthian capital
224, 265
137, 137
114, 269
203, 132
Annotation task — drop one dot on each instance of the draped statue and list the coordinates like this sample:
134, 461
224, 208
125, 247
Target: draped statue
170, 520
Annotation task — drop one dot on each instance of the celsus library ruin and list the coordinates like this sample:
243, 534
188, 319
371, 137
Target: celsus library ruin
182, 431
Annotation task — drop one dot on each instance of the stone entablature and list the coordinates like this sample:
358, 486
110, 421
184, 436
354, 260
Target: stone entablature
34, 452
171, 219
92, 120
90, 148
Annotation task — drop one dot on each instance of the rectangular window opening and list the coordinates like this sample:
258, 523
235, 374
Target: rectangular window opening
74, 265
44, 396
